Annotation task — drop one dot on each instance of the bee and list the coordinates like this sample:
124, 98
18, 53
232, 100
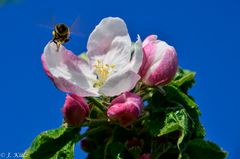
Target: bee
61, 34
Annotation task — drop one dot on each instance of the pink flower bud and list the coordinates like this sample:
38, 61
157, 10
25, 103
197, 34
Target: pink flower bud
133, 143
145, 156
88, 145
160, 62
125, 108
84, 144
75, 110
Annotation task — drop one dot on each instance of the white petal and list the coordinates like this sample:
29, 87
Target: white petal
119, 54
68, 72
119, 83
110, 42
137, 56
136, 60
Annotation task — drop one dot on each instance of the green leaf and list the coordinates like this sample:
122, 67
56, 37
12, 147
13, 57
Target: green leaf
116, 148
113, 150
48, 143
159, 147
170, 130
184, 79
185, 156
174, 94
199, 131
175, 121
119, 157
67, 152
200, 149
135, 151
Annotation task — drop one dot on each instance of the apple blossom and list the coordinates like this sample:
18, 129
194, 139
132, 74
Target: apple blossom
145, 156
125, 108
111, 67
75, 110
160, 62
87, 144
133, 143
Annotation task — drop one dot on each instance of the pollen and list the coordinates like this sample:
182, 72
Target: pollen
102, 72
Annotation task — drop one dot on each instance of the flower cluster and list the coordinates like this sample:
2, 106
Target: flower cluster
113, 68
131, 96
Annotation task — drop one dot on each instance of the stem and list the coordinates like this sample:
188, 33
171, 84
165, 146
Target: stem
90, 132
99, 107
106, 147
145, 115
95, 122
97, 103
161, 90
145, 92
138, 86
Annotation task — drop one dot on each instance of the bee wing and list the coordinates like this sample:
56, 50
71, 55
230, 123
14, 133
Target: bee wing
49, 24
75, 27
45, 26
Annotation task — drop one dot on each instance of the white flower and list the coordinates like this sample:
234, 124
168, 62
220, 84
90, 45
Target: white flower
111, 68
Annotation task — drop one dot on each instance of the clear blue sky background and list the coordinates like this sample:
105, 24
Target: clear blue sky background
205, 34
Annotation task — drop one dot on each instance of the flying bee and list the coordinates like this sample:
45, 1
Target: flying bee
61, 34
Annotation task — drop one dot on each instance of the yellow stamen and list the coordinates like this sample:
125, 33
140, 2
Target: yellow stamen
102, 71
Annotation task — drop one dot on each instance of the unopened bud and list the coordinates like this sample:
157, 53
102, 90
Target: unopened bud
145, 156
75, 110
160, 62
125, 108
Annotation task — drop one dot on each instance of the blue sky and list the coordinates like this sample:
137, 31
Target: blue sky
205, 34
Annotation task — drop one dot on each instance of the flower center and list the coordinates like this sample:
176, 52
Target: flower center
102, 72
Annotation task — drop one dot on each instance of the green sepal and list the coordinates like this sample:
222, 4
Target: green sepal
83, 56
